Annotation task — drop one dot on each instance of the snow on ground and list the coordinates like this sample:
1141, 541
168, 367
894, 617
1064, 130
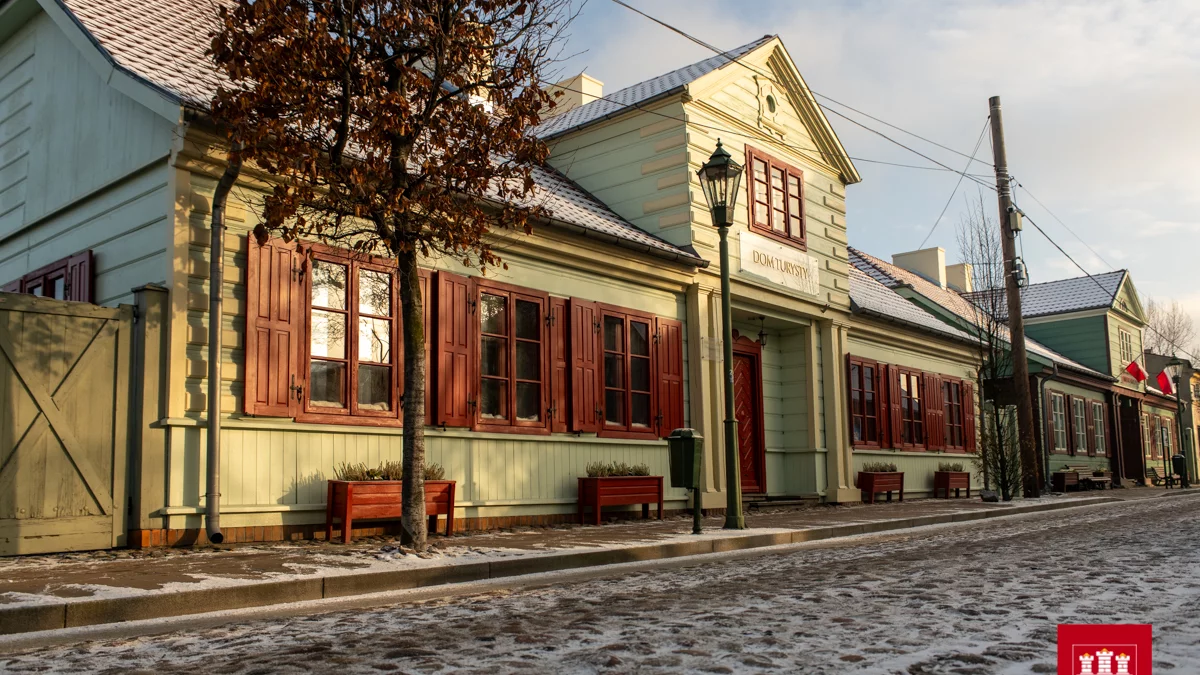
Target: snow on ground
978, 598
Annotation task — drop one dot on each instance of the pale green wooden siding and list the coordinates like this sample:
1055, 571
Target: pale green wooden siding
81, 166
1081, 339
274, 467
1059, 461
918, 468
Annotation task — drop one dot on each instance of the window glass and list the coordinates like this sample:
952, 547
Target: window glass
374, 387
56, 288
374, 293
639, 373
326, 380
328, 285
1098, 428
493, 357
1059, 415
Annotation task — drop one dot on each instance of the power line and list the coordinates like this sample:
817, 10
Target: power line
953, 192
1065, 226
771, 77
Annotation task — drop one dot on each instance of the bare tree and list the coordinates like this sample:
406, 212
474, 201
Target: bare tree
1169, 328
999, 457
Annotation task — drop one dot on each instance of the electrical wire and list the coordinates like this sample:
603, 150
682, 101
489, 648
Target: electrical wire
1065, 226
953, 192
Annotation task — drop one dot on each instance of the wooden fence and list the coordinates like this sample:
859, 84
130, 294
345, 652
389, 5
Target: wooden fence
64, 424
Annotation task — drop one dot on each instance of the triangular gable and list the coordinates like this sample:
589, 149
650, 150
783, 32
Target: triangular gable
772, 70
1128, 302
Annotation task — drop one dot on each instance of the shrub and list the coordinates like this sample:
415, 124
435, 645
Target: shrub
606, 469
879, 467
950, 466
386, 471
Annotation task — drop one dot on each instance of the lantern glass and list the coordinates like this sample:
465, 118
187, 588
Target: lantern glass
720, 178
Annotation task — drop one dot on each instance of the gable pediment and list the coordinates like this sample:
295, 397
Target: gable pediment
764, 95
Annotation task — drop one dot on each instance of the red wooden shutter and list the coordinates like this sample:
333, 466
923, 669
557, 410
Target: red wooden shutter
934, 412
968, 407
560, 365
894, 387
585, 366
430, 335
455, 312
670, 375
273, 329
884, 393
79, 278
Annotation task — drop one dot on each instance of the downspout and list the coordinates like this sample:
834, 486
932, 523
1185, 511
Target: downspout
1046, 433
216, 284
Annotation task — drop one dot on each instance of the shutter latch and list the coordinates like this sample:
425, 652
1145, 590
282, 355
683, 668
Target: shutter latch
599, 412
551, 412
297, 389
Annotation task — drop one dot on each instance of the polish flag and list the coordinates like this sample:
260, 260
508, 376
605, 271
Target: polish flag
1164, 383
1135, 369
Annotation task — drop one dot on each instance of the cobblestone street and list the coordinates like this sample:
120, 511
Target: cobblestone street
980, 598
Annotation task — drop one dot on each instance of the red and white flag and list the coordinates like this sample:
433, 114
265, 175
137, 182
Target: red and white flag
1135, 369
1164, 383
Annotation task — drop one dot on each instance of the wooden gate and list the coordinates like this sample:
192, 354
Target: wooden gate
64, 424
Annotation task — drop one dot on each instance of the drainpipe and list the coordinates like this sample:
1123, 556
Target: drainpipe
1047, 433
216, 283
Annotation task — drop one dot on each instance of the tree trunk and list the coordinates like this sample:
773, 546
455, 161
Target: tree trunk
413, 520
1003, 471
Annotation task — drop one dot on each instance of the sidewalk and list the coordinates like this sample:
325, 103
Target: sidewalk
75, 589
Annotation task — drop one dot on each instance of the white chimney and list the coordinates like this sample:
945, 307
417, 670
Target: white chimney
960, 278
929, 263
576, 91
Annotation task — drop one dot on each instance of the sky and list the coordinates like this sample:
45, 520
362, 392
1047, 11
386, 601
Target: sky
1101, 108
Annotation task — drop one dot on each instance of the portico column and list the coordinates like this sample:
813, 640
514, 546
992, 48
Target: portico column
839, 462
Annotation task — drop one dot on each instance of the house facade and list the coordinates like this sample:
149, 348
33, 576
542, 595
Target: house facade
601, 336
1075, 401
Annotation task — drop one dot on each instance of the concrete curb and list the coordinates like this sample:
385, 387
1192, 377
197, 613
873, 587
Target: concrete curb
159, 605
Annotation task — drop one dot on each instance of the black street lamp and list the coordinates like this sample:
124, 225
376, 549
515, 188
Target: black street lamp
1185, 479
719, 179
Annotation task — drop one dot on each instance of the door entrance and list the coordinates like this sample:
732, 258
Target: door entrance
1133, 461
748, 410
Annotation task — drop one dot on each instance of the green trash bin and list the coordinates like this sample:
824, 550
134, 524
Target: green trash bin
685, 450
684, 446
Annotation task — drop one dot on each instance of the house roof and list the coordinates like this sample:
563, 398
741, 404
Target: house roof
642, 92
895, 277
1078, 294
164, 43
869, 296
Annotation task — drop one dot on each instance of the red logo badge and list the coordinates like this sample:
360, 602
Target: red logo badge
1104, 649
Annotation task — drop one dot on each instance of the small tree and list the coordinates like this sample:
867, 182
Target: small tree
392, 128
979, 245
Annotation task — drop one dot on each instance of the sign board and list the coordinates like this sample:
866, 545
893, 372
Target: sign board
779, 264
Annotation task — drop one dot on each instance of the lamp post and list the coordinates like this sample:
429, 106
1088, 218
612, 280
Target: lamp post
1185, 479
719, 180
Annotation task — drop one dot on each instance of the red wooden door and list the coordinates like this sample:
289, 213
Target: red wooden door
747, 408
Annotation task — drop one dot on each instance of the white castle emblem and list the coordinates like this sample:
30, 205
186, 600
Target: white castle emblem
1103, 660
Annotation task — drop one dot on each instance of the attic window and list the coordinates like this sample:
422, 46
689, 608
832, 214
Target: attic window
770, 103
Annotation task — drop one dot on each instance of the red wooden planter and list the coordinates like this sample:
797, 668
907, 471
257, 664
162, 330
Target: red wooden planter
951, 480
351, 500
618, 491
871, 482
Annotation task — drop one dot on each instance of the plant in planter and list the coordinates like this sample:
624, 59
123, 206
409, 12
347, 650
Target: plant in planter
618, 484
950, 476
880, 477
364, 493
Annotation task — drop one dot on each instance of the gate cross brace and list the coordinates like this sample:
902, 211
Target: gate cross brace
57, 421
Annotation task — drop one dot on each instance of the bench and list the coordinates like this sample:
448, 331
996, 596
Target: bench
1155, 479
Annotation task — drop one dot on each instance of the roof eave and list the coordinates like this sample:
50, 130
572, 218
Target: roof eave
638, 107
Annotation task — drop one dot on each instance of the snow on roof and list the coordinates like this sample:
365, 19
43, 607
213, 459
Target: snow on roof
164, 44
895, 277
869, 295
641, 92
1065, 295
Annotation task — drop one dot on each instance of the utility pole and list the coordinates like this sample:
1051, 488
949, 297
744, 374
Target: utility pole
1016, 322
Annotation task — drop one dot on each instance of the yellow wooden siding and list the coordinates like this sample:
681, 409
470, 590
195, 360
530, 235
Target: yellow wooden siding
1115, 326
918, 468
637, 166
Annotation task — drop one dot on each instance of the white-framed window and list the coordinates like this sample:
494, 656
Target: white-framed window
1098, 429
1164, 435
1058, 413
1126, 340
1079, 425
